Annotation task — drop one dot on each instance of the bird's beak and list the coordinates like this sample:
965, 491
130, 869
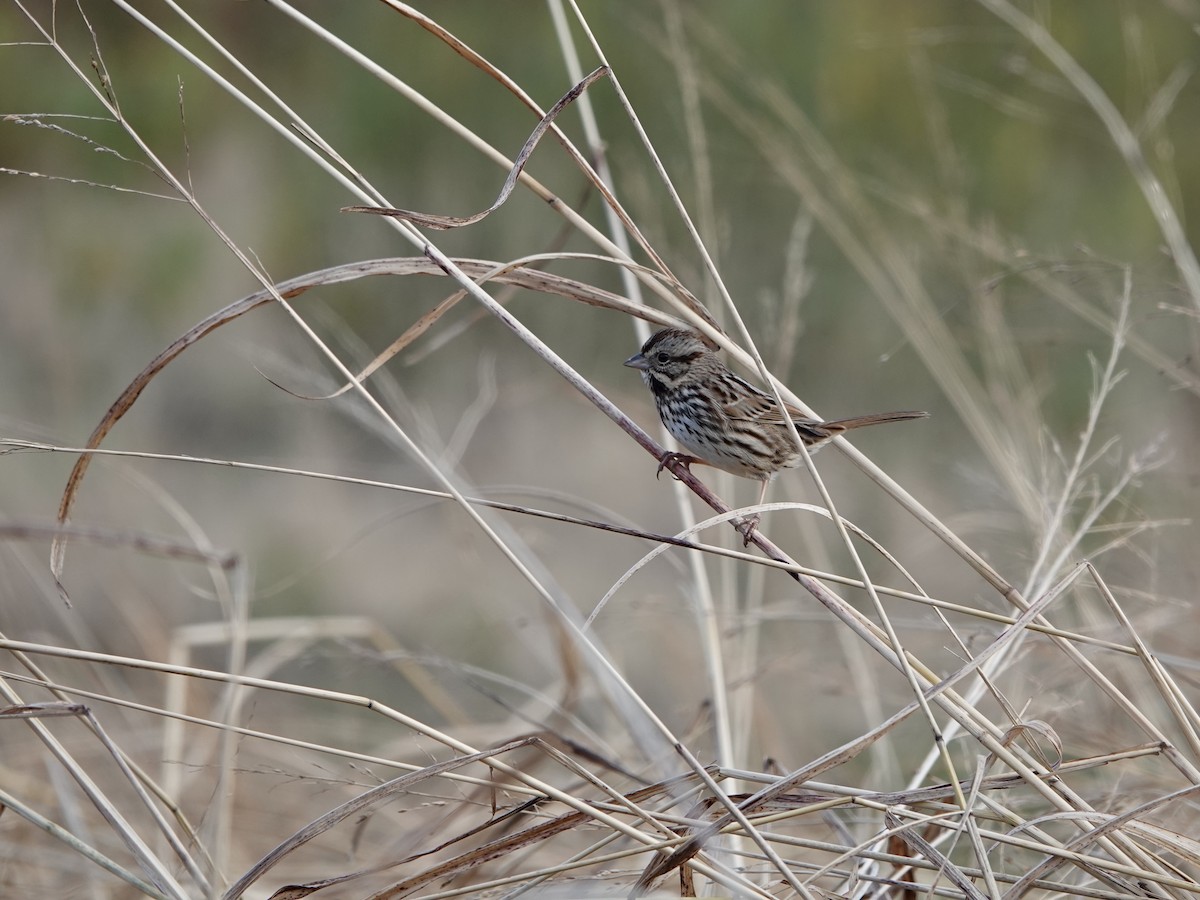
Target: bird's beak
638, 361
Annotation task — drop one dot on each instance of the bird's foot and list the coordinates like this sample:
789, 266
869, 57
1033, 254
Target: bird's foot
748, 527
672, 457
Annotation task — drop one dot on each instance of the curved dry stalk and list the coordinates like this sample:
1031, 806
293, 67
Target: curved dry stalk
680, 540
542, 282
525, 266
443, 223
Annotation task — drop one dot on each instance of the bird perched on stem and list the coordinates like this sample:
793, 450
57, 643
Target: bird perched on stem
722, 420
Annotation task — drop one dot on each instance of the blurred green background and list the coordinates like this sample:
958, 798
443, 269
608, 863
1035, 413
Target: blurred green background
958, 148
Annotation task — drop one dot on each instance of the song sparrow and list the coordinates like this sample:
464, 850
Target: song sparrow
724, 421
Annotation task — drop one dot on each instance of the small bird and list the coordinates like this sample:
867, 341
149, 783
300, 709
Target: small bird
724, 421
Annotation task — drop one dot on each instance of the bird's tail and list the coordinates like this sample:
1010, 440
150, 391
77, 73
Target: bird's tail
874, 419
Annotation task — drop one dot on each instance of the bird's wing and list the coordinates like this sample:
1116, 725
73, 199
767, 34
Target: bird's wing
753, 405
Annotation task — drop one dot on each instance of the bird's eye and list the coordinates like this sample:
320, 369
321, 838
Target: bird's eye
663, 357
